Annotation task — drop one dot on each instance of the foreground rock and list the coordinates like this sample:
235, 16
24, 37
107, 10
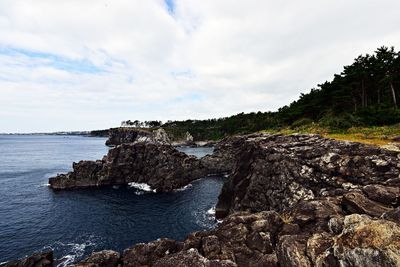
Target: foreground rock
161, 166
44, 259
268, 239
118, 136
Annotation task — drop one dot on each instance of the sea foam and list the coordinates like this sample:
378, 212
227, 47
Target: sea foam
142, 186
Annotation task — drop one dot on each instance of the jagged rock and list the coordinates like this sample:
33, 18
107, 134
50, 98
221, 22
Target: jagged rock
211, 246
191, 258
288, 203
315, 214
319, 250
389, 195
392, 215
247, 239
44, 259
368, 242
277, 171
189, 140
358, 203
335, 224
148, 254
392, 146
291, 251
225, 156
118, 136
105, 258
160, 166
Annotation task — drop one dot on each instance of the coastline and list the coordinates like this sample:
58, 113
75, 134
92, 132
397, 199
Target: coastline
312, 196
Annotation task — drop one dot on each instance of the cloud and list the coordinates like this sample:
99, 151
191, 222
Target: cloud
75, 64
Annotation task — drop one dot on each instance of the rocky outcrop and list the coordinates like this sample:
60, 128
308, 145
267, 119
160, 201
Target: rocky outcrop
297, 200
118, 136
264, 239
225, 156
44, 259
105, 258
161, 166
277, 171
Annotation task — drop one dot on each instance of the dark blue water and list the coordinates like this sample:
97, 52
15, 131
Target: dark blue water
76, 223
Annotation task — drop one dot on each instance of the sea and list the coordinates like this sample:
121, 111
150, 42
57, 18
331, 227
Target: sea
75, 223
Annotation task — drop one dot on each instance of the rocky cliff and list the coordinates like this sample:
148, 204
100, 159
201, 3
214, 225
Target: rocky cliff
161, 166
297, 200
274, 172
118, 136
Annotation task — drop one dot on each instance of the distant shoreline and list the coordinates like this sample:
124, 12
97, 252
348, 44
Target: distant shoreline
78, 133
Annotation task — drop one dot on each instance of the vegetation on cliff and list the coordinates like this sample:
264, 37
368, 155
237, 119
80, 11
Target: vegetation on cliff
366, 93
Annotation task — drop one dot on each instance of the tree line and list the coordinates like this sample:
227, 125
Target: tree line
365, 93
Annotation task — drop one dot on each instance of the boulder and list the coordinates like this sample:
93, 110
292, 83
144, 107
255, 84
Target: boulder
356, 202
368, 242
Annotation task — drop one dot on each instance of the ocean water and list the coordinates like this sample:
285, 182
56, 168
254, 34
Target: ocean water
34, 218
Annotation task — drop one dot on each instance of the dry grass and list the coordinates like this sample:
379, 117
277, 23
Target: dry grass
378, 136
287, 218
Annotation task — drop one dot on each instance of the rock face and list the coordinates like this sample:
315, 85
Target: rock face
118, 136
105, 258
297, 200
226, 155
44, 259
276, 172
161, 166
262, 239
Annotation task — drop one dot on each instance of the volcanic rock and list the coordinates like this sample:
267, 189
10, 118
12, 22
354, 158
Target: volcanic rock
162, 167
44, 259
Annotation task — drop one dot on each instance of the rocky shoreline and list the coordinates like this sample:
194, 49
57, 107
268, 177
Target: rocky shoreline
156, 164
295, 200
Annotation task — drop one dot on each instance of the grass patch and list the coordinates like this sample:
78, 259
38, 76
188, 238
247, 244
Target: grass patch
378, 136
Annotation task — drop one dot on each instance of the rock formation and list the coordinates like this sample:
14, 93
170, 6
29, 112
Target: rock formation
44, 259
225, 156
277, 171
161, 166
118, 136
298, 200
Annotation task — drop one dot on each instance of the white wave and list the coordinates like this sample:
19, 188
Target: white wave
183, 188
211, 211
76, 252
73, 251
115, 187
43, 185
205, 218
142, 186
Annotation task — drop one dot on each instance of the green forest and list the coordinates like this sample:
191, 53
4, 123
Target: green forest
366, 93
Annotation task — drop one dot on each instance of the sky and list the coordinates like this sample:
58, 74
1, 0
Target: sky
89, 64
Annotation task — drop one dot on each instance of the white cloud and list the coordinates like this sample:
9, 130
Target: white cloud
90, 64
